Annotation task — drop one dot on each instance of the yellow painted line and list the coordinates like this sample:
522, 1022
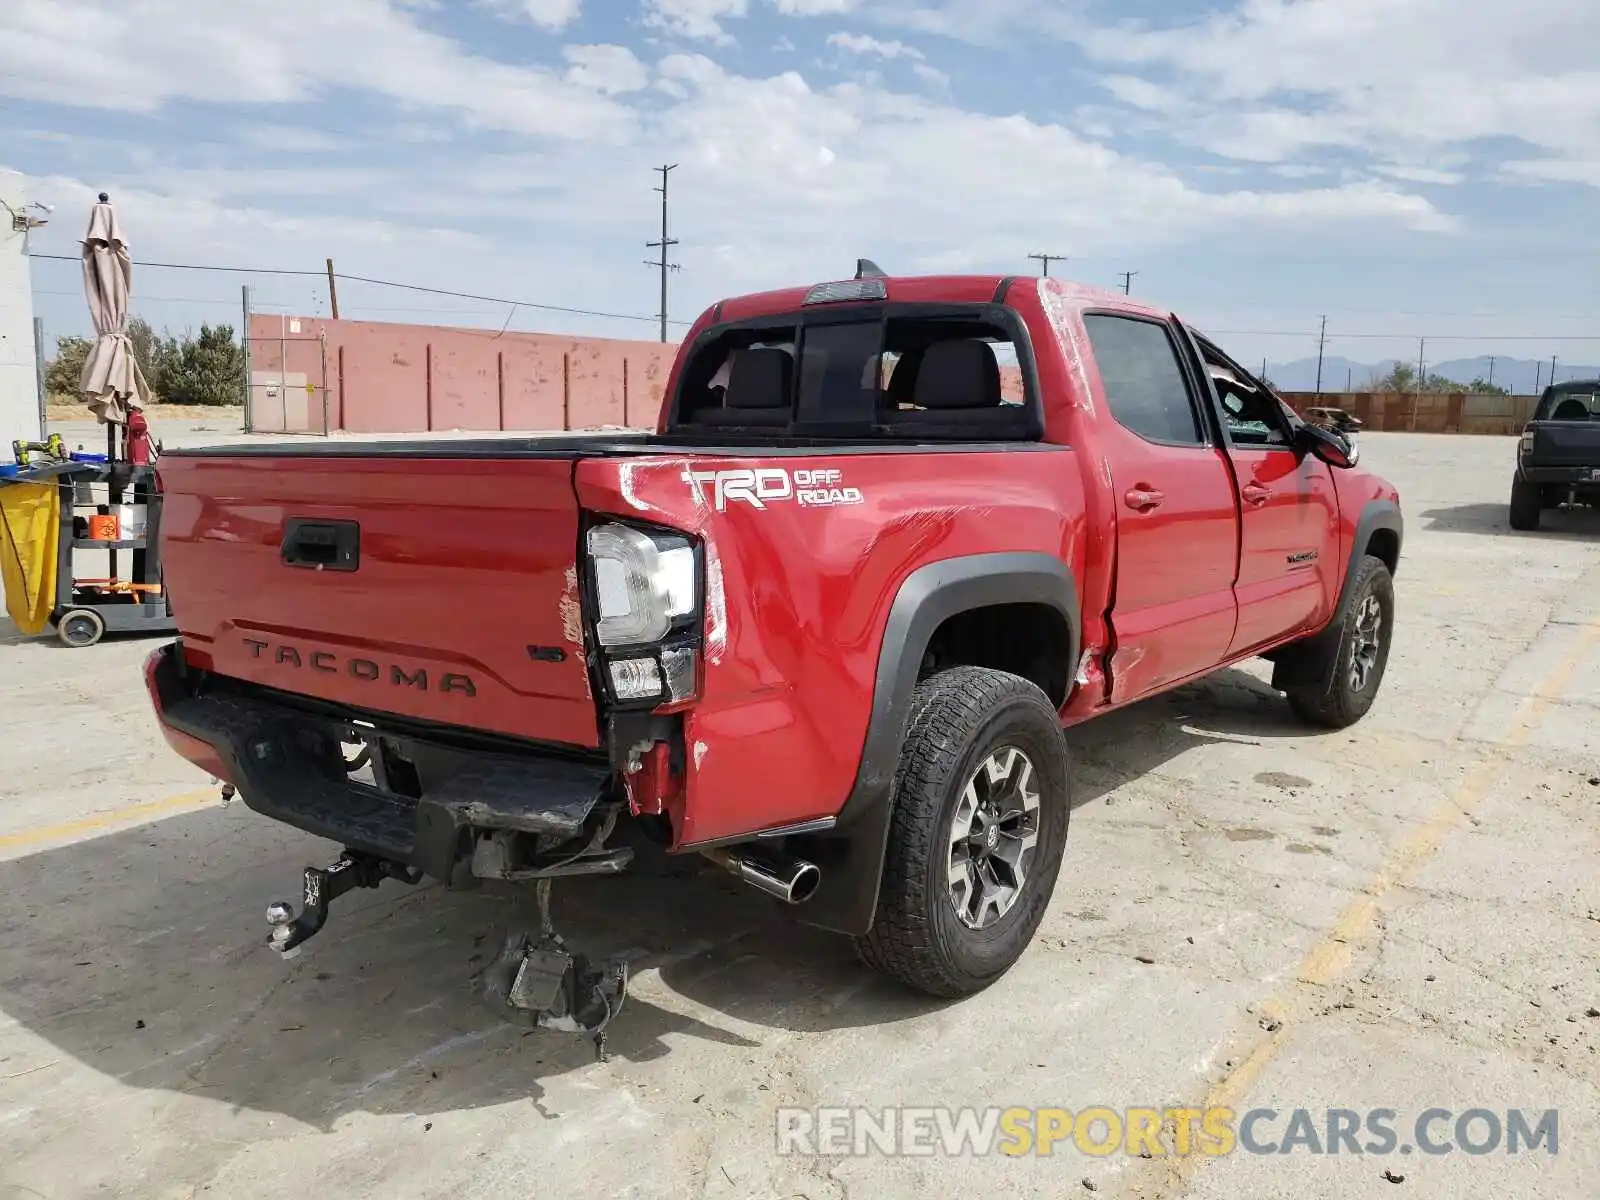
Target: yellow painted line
1333, 954
131, 814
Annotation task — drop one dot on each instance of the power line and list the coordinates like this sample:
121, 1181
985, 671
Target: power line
410, 287
1406, 337
74, 258
561, 308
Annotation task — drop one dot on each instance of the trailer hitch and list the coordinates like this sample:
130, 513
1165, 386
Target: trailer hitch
536, 982
321, 886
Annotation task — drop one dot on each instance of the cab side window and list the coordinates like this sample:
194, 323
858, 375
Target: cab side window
1144, 381
1251, 414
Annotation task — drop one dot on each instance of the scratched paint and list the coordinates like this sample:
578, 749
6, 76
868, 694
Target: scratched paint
571, 610
1060, 311
625, 486
716, 606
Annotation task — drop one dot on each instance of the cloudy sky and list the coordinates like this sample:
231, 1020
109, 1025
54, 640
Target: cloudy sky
1408, 167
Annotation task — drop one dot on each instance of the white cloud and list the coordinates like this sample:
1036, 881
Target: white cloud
551, 14
277, 51
697, 19
931, 75
292, 139
1396, 82
701, 20
864, 44
610, 69
814, 8
780, 179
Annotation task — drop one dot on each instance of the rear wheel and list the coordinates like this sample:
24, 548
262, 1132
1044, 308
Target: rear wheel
1349, 682
1526, 502
978, 829
80, 627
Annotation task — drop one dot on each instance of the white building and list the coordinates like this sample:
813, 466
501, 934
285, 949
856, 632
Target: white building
19, 381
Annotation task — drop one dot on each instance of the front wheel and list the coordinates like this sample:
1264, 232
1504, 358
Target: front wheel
979, 824
1526, 503
1349, 682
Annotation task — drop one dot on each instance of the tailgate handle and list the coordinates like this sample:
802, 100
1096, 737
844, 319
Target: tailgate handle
321, 545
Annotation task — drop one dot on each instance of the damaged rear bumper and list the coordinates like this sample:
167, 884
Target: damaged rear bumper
447, 810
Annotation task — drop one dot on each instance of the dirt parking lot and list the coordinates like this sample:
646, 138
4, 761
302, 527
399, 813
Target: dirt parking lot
1404, 916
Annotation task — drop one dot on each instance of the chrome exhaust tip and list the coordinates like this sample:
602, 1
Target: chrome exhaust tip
792, 880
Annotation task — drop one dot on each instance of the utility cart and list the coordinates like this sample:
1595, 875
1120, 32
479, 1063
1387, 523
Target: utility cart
104, 584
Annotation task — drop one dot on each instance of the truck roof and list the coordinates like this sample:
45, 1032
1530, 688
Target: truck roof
928, 289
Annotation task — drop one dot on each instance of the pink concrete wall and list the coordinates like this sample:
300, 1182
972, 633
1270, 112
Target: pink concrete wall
388, 378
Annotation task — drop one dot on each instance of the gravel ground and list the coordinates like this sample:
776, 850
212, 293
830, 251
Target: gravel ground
1404, 916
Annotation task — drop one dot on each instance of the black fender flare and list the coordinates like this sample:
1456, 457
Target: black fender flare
1375, 515
851, 855
1305, 661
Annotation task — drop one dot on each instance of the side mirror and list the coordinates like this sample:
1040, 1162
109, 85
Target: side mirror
1332, 447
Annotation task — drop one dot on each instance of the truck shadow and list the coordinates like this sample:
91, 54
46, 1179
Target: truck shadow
1229, 706
141, 955
1554, 524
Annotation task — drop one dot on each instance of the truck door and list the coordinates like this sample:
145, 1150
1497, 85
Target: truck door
1173, 607
1289, 566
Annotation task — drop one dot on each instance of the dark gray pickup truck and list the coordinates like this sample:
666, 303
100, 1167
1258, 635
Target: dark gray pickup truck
1558, 459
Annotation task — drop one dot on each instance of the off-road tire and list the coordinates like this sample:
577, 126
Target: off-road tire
1526, 504
1333, 701
958, 718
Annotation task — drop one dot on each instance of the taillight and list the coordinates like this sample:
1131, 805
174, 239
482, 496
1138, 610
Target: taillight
1527, 440
647, 604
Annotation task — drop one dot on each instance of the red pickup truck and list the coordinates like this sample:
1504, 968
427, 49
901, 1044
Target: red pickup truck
823, 626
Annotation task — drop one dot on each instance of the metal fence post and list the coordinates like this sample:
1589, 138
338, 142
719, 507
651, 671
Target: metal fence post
322, 338
38, 370
244, 338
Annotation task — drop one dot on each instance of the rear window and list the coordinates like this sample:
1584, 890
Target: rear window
904, 371
1570, 404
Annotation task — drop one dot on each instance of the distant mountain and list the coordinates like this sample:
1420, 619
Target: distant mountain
1522, 376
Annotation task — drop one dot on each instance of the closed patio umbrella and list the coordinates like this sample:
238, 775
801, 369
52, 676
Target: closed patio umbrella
112, 383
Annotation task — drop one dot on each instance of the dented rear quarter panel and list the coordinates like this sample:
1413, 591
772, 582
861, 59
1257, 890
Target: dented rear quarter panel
798, 597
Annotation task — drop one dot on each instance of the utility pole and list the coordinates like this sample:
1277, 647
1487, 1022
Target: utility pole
1349, 378
1552, 370
1422, 378
1047, 259
1491, 370
1127, 282
333, 292
1322, 342
663, 245
1538, 374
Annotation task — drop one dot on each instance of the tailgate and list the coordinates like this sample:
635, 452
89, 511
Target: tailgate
440, 589
1566, 444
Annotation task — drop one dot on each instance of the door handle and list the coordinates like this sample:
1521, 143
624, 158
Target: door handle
1254, 493
1143, 498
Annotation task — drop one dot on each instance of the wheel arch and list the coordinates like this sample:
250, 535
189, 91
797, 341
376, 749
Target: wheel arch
1380, 531
928, 598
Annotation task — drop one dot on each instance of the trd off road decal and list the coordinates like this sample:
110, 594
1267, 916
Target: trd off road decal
760, 486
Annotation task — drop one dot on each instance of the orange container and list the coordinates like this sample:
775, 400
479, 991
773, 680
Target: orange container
104, 528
